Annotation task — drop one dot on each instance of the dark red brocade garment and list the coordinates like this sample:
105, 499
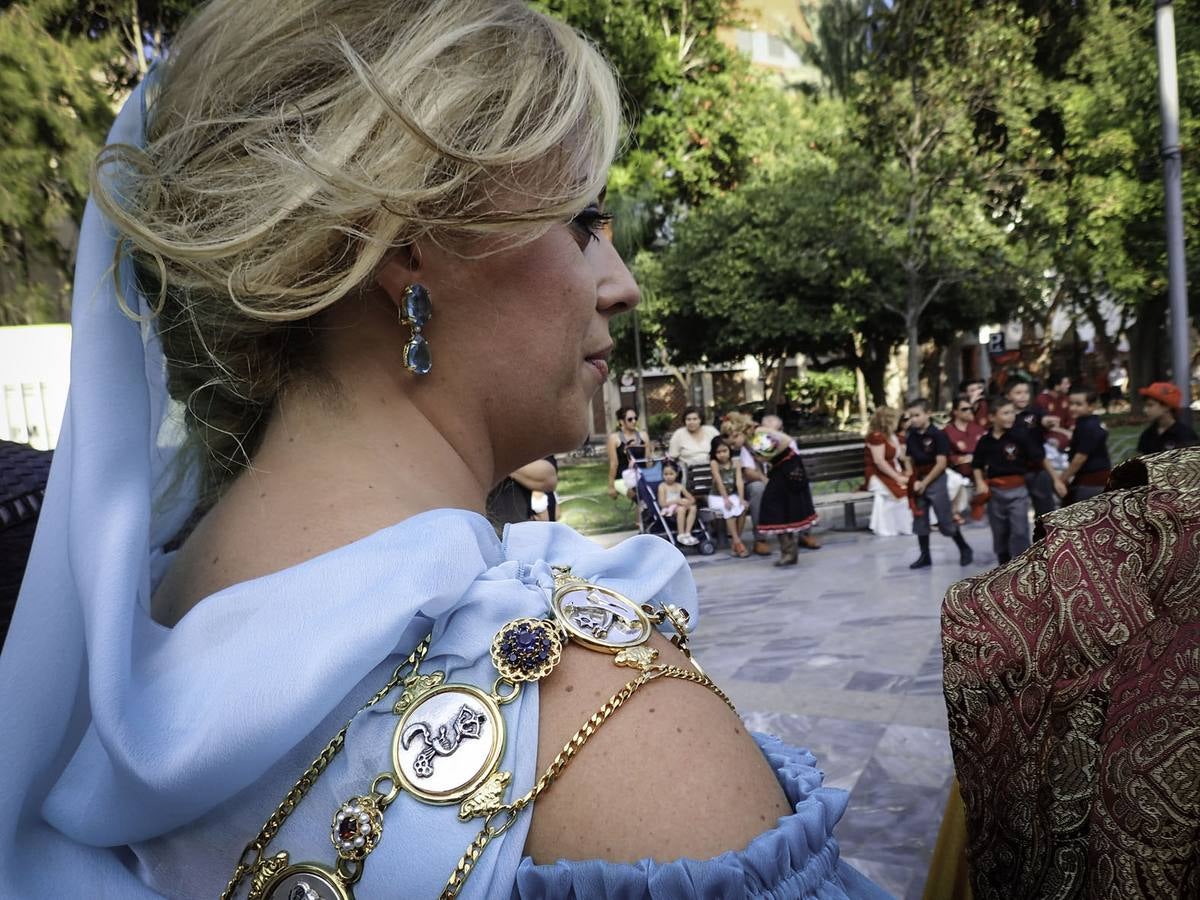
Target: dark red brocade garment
1072, 680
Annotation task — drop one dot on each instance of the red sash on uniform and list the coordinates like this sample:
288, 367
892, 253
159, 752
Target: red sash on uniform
1092, 479
920, 472
1006, 482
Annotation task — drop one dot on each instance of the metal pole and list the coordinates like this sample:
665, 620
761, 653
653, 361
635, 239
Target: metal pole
1168, 91
641, 388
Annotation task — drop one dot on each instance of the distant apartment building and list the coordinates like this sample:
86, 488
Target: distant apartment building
772, 33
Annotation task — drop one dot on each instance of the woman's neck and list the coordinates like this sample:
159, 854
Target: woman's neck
325, 475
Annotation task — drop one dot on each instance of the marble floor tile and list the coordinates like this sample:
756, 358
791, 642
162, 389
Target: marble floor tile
792, 729
879, 681
891, 822
896, 880
907, 740
762, 672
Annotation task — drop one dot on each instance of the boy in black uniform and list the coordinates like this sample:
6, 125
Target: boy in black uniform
1165, 431
1041, 479
1000, 462
1089, 466
928, 454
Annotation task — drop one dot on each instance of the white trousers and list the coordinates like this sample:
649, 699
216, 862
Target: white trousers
890, 515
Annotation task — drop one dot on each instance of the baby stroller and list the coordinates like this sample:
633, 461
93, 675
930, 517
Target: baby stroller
650, 515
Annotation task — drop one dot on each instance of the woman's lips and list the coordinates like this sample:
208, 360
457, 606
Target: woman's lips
601, 366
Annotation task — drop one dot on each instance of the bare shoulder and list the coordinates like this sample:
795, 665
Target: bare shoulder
673, 773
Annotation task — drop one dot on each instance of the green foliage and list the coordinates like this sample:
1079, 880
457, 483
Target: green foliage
841, 48
830, 393
701, 121
64, 69
661, 425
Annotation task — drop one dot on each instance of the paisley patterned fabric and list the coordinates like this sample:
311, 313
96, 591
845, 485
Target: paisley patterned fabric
1072, 680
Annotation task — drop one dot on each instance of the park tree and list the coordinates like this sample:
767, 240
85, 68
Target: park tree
1099, 220
65, 67
700, 120
840, 44
774, 268
945, 114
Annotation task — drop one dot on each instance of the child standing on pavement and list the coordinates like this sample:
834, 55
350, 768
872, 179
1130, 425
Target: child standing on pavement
928, 456
1042, 480
1000, 461
727, 499
675, 499
1089, 467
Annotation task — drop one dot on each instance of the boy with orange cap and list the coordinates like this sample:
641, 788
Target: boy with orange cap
1165, 431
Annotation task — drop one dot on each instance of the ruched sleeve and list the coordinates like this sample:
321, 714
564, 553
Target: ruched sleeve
798, 858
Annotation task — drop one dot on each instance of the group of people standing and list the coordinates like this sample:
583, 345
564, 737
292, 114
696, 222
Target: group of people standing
746, 468
1006, 448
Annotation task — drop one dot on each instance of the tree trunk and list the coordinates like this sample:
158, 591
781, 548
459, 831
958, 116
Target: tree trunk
777, 384
913, 370
874, 368
913, 306
1145, 345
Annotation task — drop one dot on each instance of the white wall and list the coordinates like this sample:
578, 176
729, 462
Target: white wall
35, 369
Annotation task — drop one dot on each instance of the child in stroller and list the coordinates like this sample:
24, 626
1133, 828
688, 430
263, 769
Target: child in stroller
674, 499
659, 491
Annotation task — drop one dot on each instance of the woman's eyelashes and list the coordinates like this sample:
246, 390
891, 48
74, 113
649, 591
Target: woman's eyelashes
589, 224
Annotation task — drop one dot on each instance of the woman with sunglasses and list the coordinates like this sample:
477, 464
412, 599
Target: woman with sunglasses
626, 447
964, 434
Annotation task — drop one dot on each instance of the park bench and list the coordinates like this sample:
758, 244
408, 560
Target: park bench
23, 474
836, 461
840, 462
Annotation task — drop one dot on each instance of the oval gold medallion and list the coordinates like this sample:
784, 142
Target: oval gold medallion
448, 743
600, 618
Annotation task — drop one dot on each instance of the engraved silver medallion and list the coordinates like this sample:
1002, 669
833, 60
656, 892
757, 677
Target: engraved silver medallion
600, 618
306, 881
448, 743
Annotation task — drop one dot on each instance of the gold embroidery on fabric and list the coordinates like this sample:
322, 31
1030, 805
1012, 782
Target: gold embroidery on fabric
1072, 680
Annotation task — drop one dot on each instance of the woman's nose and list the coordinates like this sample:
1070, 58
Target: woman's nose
617, 292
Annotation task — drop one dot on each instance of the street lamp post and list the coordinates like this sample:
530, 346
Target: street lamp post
1168, 92
637, 357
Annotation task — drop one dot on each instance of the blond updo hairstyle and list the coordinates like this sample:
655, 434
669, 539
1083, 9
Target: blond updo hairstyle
737, 423
884, 420
292, 144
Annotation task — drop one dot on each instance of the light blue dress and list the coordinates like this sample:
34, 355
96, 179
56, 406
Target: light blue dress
136, 761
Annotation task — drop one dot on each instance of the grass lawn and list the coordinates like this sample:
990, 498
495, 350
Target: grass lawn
583, 501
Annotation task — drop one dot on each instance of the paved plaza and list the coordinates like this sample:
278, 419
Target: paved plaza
841, 654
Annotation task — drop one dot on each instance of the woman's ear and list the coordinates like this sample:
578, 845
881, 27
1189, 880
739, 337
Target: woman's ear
400, 269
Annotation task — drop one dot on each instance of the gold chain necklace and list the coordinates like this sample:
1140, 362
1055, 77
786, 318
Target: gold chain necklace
423, 754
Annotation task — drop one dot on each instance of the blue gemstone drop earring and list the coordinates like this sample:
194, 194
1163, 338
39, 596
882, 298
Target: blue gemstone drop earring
416, 309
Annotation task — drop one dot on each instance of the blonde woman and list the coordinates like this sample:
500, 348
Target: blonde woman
361, 272
885, 477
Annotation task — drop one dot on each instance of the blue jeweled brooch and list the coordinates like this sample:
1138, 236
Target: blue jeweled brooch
526, 649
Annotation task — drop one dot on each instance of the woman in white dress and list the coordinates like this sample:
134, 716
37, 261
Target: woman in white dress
885, 478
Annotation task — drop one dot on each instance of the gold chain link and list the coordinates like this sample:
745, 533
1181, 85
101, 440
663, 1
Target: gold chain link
510, 811
254, 850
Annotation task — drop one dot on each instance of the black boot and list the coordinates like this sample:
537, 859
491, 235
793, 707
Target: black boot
966, 555
787, 550
924, 559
